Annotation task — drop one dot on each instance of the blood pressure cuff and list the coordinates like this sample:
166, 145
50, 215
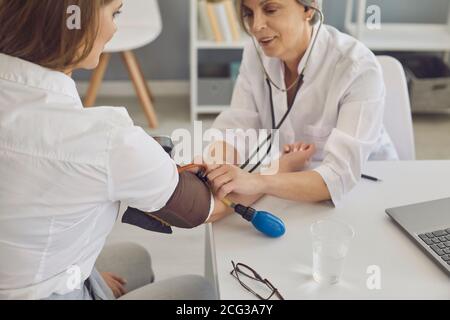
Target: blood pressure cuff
187, 208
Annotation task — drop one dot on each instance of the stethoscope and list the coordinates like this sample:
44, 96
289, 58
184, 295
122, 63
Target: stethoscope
298, 82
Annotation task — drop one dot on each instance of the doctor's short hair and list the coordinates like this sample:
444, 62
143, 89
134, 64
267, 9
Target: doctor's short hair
306, 3
37, 31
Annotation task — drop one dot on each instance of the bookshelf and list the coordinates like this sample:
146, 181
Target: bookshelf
391, 37
201, 47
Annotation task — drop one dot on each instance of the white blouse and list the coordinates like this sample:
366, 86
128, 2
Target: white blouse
339, 108
64, 171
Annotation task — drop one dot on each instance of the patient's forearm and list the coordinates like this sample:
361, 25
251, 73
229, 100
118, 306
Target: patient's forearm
221, 210
246, 200
221, 152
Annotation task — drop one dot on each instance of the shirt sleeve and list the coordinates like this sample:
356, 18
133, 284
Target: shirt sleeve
141, 173
359, 126
211, 207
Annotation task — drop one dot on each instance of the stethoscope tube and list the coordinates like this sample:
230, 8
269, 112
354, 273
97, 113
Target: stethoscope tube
269, 137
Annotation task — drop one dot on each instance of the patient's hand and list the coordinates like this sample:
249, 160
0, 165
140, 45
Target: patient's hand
115, 283
296, 157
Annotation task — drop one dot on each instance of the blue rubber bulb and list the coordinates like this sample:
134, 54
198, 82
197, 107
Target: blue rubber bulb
268, 224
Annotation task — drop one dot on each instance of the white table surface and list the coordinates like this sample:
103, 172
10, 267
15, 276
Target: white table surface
406, 271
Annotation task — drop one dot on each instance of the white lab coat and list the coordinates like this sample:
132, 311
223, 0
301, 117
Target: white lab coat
339, 108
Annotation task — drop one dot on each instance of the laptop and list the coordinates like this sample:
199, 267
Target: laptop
428, 224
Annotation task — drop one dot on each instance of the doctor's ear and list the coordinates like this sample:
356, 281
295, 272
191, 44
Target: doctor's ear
311, 15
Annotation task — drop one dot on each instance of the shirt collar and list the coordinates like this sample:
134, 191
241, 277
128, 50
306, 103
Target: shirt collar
26, 73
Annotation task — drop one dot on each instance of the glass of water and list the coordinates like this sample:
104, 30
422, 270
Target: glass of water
331, 240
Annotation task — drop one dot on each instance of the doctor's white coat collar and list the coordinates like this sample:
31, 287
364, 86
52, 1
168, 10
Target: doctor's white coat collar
275, 67
29, 74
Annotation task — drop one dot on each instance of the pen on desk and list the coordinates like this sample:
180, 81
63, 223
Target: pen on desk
364, 176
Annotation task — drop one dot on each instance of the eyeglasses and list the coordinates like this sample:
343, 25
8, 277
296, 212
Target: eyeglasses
251, 280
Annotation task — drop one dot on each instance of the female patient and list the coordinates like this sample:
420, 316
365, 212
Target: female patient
65, 169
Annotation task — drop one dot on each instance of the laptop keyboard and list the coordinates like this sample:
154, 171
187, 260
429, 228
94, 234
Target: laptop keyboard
439, 241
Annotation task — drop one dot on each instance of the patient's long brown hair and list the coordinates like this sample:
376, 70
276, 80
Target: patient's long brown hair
36, 31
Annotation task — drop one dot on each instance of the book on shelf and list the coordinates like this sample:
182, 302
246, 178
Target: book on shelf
233, 19
203, 20
221, 14
214, 22
218, 20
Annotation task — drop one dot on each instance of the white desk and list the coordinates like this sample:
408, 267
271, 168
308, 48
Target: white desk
406, 271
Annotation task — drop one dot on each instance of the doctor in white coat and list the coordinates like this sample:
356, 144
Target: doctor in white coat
331, 88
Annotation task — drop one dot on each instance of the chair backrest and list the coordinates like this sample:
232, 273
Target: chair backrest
138, 25
397, 115
140, 13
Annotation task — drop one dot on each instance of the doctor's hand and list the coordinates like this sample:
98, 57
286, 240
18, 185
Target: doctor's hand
296, 157
226, 179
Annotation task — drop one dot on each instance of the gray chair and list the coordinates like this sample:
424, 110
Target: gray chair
397, 115
128, 260
132, 262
